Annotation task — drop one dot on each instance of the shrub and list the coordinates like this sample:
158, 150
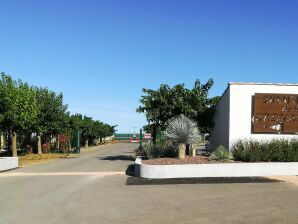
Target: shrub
182, 130
157, 151
46, 147
220, 154
281, 150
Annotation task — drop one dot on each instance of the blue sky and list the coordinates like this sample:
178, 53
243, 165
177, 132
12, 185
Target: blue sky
100, 54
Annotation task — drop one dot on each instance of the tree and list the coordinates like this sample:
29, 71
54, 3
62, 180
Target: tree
164, 103
106, 131
51, 113
76, 121
26, 109
102, 130
91, 129
157, 107
203, 106
87, 125
18, 107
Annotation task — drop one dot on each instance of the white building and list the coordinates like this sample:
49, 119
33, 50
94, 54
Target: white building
235, 114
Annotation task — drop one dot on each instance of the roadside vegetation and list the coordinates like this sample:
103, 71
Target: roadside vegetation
279, 150
35, 119
31, 159
221, 154
178, 114
160, 105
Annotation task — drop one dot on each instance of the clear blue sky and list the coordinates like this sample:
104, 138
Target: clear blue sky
100, 54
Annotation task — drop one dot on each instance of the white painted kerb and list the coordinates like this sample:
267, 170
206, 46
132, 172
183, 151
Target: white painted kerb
8, 163
216, 170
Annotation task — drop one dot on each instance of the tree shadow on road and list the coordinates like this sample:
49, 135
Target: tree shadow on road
238, 180
117, 157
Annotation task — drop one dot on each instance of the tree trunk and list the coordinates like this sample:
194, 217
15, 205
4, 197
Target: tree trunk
9, 138
193, 150
154, 133
181, 151
58, 143
100, 140
86, 144
2, 141
39, 150
14, 145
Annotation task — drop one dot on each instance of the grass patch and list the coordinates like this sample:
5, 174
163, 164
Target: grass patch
31, 159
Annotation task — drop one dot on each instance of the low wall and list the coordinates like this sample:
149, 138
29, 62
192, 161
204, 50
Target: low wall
8, 163
215, 170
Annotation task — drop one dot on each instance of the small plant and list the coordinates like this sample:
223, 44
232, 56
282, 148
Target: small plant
152, 151
28, 149
220, 154
46, 147
64, 142
182, 130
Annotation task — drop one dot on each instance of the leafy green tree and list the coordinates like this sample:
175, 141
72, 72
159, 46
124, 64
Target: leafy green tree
91, 129
203, 106
51, 114
76, 121
106, 131
97, 130
157, 107
87, 127
112, 129
164, 103
18, 107
102, 130
25, 109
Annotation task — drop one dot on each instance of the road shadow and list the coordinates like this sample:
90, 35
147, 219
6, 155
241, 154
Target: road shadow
117, 157
130, 171
223, 180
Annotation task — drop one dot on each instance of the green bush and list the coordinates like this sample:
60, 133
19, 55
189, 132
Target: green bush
157, 151
281, 150
220, 154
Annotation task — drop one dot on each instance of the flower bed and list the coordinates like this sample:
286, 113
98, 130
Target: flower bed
215, 169
187, 160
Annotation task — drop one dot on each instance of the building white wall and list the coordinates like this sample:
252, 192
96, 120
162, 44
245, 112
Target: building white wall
240, 109
220, 132
241, 106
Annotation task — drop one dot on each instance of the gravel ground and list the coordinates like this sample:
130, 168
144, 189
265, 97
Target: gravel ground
187, 160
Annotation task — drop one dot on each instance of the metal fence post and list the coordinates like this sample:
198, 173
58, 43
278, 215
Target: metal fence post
141, 138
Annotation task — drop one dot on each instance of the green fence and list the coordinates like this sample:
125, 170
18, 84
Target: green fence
125, 136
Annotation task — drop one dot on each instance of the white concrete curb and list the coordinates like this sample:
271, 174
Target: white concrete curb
215, 170
8, 163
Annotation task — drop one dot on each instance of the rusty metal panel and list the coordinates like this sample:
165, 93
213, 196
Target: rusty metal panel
275, 113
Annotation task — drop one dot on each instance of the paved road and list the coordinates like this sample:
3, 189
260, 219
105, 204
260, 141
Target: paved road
63, 193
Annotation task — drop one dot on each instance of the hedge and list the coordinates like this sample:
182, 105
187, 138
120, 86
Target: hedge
279, 150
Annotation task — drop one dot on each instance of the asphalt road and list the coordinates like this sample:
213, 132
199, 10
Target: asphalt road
94, 189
